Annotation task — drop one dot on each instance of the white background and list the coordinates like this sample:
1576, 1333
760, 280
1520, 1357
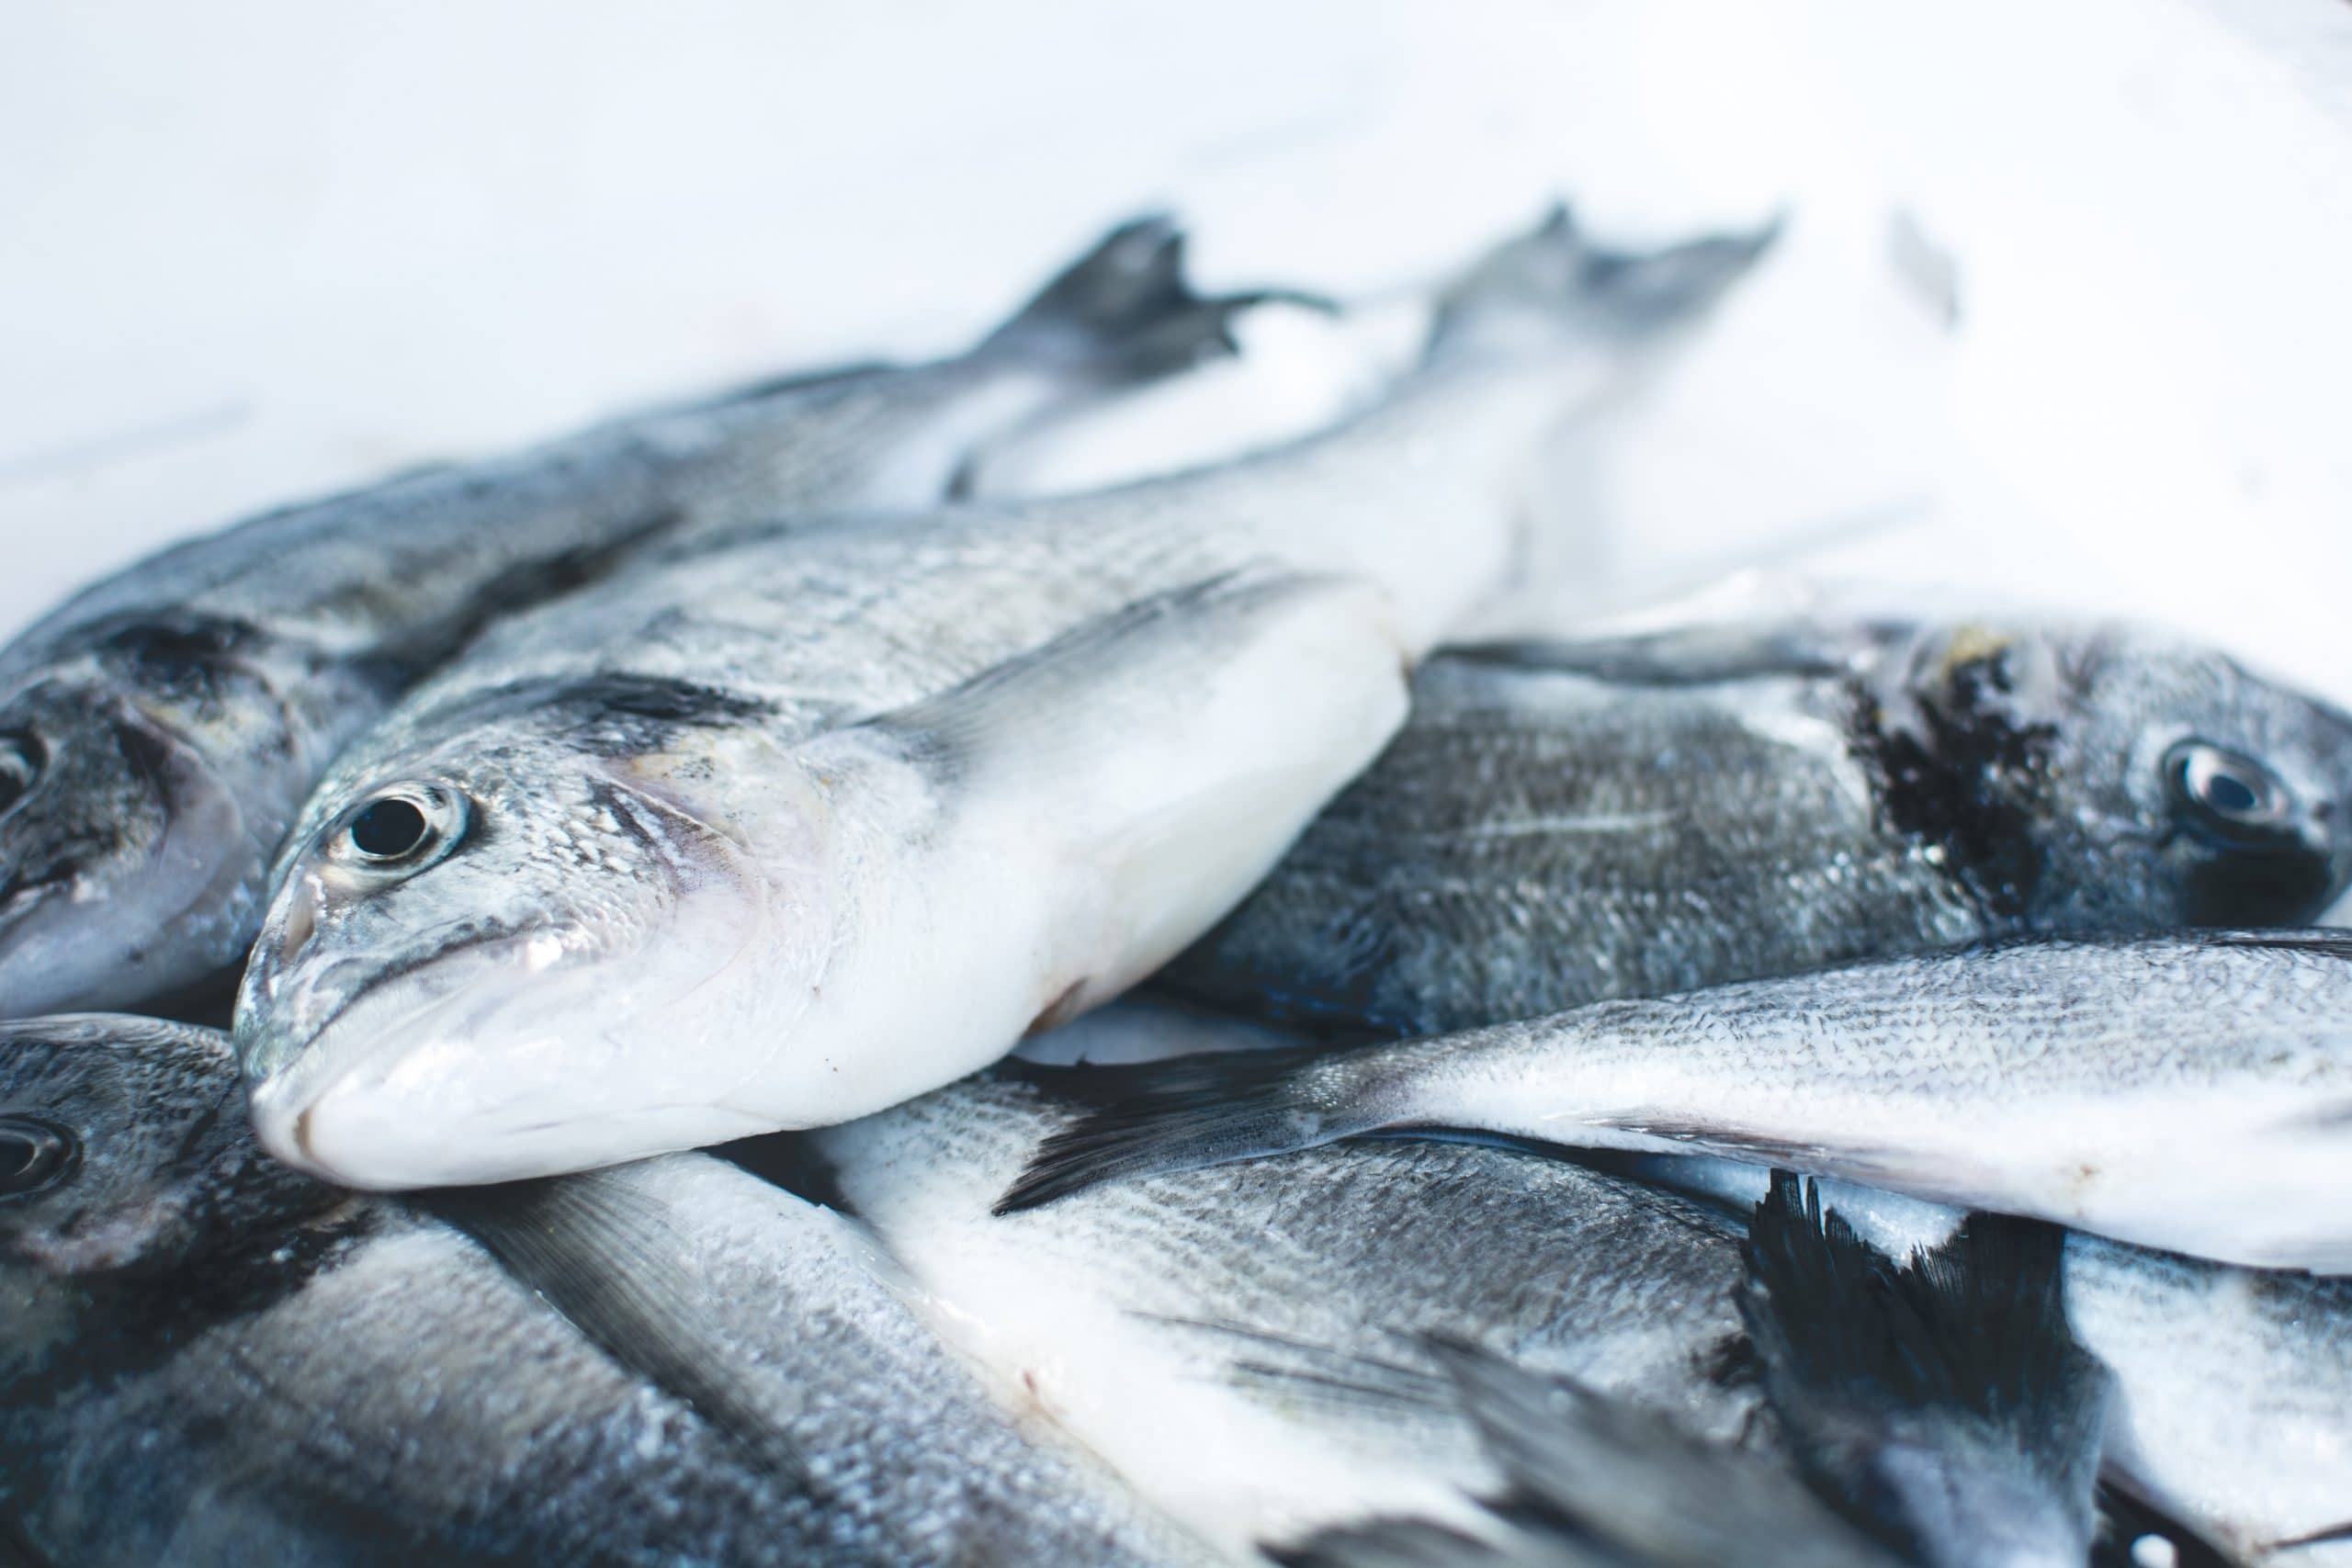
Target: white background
250, 250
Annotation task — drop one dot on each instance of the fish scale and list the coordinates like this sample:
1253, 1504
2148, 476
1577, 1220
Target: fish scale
1565, 823
159, 731
953, 777
2186, 1092
342, 1379
1244, 1307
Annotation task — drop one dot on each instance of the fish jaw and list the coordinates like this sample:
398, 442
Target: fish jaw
496, 1062
161, 898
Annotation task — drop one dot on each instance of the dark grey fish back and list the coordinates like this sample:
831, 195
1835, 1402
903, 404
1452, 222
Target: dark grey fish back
1558, 826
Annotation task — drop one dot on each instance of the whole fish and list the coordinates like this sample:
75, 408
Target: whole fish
1565, 823
777, 831
1944, 1404
205, 1358
2186, 1092
2233, 1408
160, 730
1595, 1481
1248, 1344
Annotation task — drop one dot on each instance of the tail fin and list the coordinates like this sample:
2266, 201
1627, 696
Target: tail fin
1553, 280
1178, 1114
1632, 1477
1914, 1392
1593, 1479
1127, 309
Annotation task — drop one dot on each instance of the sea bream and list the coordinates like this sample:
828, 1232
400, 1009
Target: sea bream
160, 730
2188, 1092
1249, 1344
780, 829
207, 1359
1564, 823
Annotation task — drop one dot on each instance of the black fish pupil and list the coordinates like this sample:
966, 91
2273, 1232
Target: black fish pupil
2226, 792
388, 828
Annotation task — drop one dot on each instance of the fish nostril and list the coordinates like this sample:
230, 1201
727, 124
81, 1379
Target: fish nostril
302, 925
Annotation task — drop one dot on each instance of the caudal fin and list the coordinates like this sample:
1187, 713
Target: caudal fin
1180, 1114
1554, 281
1961, 1363
1127, 309
1591, 1479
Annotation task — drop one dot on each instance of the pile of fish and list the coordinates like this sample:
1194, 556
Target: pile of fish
1823, 1089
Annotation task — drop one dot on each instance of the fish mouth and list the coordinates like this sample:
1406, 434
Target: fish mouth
505, 1057
352, 1049
123, 917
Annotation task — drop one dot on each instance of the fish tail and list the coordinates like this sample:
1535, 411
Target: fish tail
1128, 310
1152, 1118
1554, 278
1591, 1476
1971, 1337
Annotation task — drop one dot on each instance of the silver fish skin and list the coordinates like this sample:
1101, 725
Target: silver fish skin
2234, 1385
777, 831
1566, 823
1247, 1345
351, 1379
161, 729
1595, 1481
2185, 1092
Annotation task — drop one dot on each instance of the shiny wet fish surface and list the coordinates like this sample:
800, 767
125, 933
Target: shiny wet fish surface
207, 1358
1571, 823
160, 730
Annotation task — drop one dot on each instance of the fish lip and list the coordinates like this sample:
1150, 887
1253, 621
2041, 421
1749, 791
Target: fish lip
291, 1047
280, 1102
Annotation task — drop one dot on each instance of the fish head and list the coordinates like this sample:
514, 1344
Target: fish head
130, 864
505, 957
123, 1146
2116, 777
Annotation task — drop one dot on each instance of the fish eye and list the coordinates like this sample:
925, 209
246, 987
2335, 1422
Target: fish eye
21, 761
2227, 792
406, 826
33, 1154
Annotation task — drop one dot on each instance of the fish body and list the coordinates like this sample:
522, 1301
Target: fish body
355, 1380
1248, 1344
160, 731
1564, 823
2184, 1092
778, 830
